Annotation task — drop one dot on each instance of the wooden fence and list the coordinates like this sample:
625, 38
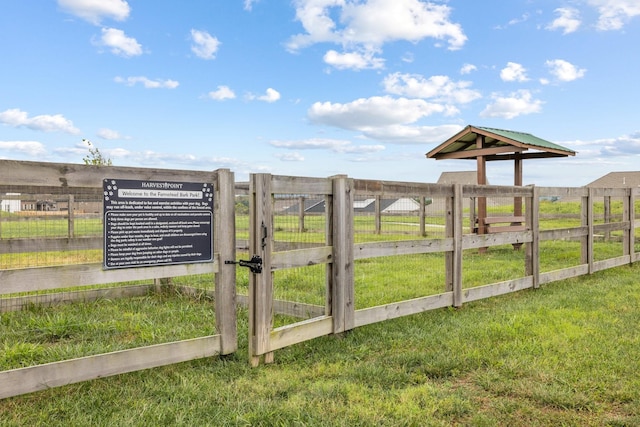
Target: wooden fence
75, 185
341, 252
311, 268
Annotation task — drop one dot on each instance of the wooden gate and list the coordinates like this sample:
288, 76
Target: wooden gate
273, 200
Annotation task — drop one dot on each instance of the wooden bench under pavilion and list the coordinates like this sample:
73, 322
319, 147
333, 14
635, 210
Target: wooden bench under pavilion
488, 144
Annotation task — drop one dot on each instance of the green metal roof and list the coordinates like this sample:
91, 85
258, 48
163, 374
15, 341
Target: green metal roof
526, 138
498, 144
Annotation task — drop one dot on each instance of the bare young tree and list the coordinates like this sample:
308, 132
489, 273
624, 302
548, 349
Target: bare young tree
95, 157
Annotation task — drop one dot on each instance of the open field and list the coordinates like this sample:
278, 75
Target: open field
565, 354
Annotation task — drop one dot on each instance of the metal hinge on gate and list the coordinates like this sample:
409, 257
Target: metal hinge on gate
254, 264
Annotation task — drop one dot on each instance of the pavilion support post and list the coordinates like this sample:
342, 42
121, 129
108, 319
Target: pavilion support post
517, 181
517, 201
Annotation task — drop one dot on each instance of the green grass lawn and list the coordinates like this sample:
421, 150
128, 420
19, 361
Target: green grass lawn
565, 354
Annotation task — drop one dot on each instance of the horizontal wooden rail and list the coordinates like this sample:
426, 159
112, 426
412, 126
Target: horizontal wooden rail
501, 219
394, 310
21, 302
515, 223
563, 233
496, 289
65, 276
49, 244
66, 177
365, 187
300, 185
564, 273
41, 377
301, 257
475, 241
300, 332
403, 247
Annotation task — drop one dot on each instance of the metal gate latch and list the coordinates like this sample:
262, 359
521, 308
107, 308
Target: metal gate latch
254, 264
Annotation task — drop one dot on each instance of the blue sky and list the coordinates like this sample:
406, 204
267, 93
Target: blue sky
320, 87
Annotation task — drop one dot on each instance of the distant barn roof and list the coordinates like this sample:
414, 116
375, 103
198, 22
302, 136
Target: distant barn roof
498, 144
459, 177
617, 180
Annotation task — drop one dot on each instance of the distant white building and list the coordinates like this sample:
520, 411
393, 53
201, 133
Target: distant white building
397, 206
11, 205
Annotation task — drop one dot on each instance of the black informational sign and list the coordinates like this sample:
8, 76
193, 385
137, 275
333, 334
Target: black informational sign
150, 223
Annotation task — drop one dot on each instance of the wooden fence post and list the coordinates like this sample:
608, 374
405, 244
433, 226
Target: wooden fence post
532, 256
632, 222
629, 216
587, 221
261, 284
423, 205
301, 214
449, 233
378, 214
632, 216
456, 265
225, 247
473, 217
328, 236
70, 217
342, 278
607, 216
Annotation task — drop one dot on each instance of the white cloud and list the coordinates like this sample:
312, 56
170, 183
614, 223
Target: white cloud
110, 134
440, 88
515, 21
47, 123
385, 119
366, 26
335, 145
517, 104
362, 149
564, 71
614, 14
205, 45
353, 60
248, 4
271, 95
120, 44
290, 157
402, 134
568, 20
32, 148
148, 83
626, 145
222, 93
468, 68
96, 10
514, 72
377, 111
408, 57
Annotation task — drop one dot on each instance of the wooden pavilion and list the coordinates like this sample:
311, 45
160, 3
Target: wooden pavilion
487, 144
